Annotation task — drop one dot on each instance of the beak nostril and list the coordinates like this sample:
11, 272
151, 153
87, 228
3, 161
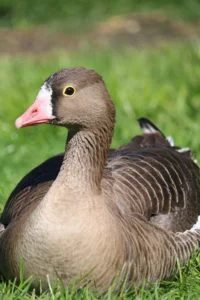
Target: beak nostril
34, 112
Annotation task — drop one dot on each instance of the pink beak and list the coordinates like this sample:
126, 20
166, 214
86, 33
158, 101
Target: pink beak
38, 113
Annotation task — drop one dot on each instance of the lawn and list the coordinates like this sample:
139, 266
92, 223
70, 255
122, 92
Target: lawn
161, 84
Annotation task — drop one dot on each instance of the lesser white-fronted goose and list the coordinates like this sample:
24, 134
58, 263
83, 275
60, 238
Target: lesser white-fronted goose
47, 172
94, 218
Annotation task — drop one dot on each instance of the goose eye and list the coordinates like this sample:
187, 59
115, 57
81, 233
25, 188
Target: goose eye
69, 91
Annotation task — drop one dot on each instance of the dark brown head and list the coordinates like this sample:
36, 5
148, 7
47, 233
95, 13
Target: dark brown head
75, 97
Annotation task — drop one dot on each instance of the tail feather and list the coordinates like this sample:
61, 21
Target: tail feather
148, 127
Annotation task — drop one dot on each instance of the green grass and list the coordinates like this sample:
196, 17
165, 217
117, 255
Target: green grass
161, 84
76, 15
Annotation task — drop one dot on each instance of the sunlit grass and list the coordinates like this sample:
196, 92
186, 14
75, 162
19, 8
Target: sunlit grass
161, 84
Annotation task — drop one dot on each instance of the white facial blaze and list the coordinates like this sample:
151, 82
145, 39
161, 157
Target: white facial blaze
46, 93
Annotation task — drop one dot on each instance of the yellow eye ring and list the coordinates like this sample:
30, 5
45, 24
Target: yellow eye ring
69, 91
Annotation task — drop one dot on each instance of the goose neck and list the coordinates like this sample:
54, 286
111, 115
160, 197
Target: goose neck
85, 158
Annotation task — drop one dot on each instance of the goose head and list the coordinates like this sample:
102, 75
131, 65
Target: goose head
75, 98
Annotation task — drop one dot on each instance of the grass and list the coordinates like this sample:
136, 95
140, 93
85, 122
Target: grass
77, 15
161, 84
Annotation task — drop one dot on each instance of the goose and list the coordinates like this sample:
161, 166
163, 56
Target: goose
93, 222
47, 172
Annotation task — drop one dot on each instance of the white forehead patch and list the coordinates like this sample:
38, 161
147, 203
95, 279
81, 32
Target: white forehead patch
45, 93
